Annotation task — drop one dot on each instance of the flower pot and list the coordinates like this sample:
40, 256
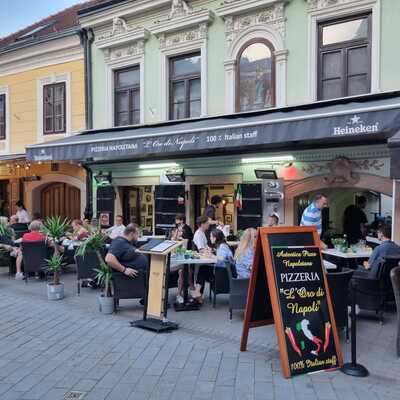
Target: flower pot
106, 304
55, 292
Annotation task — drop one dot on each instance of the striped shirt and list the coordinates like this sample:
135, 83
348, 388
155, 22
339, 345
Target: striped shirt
312, 217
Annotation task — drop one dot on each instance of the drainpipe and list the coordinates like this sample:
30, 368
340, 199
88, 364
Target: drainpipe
87, 38
89, 192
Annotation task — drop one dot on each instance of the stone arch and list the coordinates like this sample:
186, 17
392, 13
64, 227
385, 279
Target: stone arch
35, 188
262, 32
366, 181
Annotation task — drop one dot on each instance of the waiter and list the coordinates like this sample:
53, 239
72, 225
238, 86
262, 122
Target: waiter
355, 220
211, 212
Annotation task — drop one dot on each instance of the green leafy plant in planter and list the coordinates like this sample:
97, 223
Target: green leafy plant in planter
95, 244
55, 228
6, 231
55, 289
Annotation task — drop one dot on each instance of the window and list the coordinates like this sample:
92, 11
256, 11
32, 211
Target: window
127, 96
185, 86
344, 57
2, 116
54, 108
255, 87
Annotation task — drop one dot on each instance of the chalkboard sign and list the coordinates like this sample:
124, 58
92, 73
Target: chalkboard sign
302, 295
270, 301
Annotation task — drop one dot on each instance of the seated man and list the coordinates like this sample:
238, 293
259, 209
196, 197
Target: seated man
34, 235
387, 248
117, 229
123, 257
16, 225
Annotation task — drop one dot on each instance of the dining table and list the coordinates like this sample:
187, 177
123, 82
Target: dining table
186, 262
350, 257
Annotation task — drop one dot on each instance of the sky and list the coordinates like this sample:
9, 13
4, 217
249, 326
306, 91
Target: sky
16, 14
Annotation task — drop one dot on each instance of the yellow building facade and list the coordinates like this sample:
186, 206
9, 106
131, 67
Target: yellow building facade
42, 89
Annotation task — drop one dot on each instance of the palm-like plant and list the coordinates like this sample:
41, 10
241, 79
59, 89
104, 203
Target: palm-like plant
54, 228
103, 278
6, 231
54, 264
94, 243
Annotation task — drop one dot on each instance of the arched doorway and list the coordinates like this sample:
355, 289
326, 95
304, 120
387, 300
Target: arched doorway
60, 199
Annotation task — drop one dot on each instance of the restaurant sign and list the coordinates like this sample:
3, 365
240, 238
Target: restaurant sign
276, 129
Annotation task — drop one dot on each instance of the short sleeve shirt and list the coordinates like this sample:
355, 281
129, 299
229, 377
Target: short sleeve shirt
312, 217
33, 237
210, 212
225, 252
126, 254
200, 239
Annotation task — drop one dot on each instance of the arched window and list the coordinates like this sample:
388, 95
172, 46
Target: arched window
255, 88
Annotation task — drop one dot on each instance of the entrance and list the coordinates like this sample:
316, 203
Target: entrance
4, 199
138, 203
202, 194
60, 199
378, 208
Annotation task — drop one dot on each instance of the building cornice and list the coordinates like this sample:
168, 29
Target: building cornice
236, 7
317, 5
124, 10
41, 55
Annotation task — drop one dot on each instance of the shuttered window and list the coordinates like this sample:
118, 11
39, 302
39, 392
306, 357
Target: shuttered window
2, 116
54, 108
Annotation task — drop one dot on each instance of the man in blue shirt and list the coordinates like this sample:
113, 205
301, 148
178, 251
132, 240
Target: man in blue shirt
386, 249
312, 214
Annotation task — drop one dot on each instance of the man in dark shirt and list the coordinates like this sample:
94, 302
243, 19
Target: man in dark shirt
184, 229
387, 248
355, 220
123, 257
211, 212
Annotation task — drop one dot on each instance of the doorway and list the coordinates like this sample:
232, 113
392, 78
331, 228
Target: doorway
202, 194
60, 199
4, 199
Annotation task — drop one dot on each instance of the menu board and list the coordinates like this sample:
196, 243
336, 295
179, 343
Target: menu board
302, 295
288, 288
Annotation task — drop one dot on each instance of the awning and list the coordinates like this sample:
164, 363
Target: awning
364, 119
12, 157
394, 148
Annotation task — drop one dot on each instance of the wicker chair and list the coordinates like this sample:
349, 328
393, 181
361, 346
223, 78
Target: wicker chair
395, 278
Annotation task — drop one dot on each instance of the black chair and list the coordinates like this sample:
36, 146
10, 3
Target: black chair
85, 267
339, 288
220, 282
373, 294
34, 255
238, 292
395, 278
128, 288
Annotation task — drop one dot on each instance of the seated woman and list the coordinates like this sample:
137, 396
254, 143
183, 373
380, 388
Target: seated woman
245, 253
221, 253
174, 234
80, 232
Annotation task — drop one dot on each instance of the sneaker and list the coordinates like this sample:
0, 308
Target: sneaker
19, 276
179, 299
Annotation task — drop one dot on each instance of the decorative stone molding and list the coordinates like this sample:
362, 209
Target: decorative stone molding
122, 39
182, 25
122, 52
239, 15
314, 5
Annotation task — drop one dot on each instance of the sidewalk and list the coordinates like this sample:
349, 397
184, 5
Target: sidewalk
49, 349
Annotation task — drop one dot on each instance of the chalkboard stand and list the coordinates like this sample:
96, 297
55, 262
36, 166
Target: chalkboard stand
352, 368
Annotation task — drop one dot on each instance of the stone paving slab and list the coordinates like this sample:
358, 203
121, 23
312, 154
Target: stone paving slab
48, 349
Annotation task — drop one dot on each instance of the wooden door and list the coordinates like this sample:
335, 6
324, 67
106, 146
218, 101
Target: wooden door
61, 199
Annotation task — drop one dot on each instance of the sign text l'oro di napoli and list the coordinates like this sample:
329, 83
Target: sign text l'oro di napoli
355, 126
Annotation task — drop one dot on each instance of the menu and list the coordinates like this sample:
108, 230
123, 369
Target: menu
303, 303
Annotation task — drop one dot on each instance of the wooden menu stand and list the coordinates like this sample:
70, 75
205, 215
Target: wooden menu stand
288, 287
156, 300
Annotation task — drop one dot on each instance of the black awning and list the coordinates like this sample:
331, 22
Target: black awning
354, 120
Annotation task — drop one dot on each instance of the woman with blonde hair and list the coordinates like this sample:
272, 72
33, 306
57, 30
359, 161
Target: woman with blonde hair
245, 253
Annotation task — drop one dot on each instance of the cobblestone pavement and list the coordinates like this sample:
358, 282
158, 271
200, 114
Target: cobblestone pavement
49, 349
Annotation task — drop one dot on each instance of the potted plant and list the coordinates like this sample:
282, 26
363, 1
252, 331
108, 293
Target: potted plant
55, 289
95, 243
54, 228
104, 278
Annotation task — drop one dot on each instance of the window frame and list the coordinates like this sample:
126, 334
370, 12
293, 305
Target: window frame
3, 124
64, 115
186, 79
344, 47
237, 72
130, 90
